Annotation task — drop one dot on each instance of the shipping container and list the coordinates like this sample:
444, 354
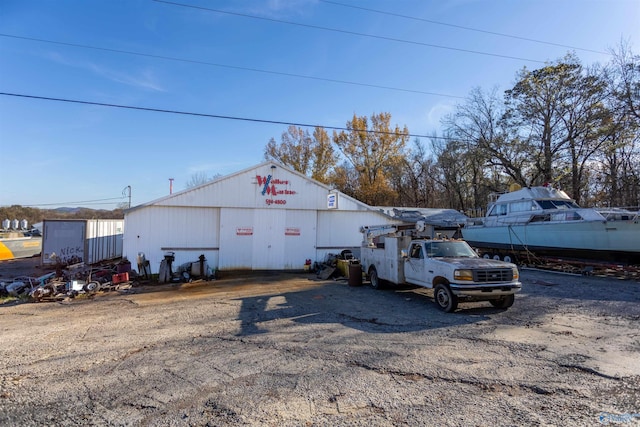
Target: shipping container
81, 240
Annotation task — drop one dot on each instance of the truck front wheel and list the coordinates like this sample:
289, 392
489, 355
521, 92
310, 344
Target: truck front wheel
376, 283
504, 302
445, 299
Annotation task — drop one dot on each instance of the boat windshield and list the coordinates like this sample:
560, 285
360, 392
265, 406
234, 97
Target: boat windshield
557, 204
453, 249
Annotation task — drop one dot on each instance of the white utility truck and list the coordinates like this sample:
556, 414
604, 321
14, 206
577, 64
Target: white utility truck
409, 254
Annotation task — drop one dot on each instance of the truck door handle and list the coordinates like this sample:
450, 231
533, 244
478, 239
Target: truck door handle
430, 271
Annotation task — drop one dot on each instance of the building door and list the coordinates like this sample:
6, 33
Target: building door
236, 239
300, 238
268, 239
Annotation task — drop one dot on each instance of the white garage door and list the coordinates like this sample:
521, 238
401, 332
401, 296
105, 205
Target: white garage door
266, 239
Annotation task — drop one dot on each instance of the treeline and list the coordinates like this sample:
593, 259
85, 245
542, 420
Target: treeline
35, 215
567, 125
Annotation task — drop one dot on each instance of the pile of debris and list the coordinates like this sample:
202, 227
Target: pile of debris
71, 281
339, 267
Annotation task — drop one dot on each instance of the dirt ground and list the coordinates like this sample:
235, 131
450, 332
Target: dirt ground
284, 349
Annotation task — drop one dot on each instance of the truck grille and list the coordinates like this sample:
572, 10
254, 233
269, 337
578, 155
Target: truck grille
492, 276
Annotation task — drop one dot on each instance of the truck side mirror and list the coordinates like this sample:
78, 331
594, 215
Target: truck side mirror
403, 253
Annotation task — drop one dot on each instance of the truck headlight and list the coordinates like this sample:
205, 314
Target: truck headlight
463, 275
516, 273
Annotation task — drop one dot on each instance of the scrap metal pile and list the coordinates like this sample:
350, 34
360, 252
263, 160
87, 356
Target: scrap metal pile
585, 268
72, 281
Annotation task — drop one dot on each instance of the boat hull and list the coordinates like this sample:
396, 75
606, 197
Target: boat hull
616, 241
20, 247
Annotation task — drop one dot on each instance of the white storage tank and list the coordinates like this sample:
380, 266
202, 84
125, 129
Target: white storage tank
6, 224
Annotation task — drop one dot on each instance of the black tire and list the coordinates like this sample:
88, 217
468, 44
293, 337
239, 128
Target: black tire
444, 298
509, 258
504, 302
91, 287
376, 282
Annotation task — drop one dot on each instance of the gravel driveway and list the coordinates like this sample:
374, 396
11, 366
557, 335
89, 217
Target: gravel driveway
288, 350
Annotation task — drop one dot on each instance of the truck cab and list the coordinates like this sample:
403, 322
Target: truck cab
455, 271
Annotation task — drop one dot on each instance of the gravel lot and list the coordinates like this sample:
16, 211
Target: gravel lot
288, 350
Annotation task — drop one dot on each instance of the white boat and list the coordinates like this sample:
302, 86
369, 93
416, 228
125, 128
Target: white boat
546, 221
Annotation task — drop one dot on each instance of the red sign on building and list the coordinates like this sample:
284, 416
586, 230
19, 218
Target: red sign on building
244, 231
292, 231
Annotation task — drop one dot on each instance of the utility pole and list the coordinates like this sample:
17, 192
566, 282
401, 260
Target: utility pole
124, 193
170, 185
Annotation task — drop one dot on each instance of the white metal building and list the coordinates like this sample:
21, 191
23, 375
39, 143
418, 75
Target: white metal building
267, 217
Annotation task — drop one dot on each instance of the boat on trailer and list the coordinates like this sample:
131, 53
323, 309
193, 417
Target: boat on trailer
545, 221
19, 245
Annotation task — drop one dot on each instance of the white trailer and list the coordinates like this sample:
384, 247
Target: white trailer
81, 240
409, 254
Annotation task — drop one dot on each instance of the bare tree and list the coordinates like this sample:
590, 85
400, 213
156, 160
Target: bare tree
413, 180
626, 82
200, 178
311, 155
535, 107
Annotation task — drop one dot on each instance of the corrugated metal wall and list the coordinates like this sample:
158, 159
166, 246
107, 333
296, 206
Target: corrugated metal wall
186, 231
339, 230
104, 239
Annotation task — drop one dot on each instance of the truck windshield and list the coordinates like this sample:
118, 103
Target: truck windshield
450, 250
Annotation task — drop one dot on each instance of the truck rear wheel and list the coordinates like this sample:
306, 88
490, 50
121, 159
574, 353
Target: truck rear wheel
445, 299
504, 302
376, 283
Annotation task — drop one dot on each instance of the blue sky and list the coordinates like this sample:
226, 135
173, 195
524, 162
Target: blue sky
65, 154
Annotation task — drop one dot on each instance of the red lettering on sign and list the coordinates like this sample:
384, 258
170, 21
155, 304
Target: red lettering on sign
268, 187
244, 231
292, 231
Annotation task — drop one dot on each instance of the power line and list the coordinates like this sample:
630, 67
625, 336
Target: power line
462, 27
214, 116
233, 67
353, 33
84, 202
